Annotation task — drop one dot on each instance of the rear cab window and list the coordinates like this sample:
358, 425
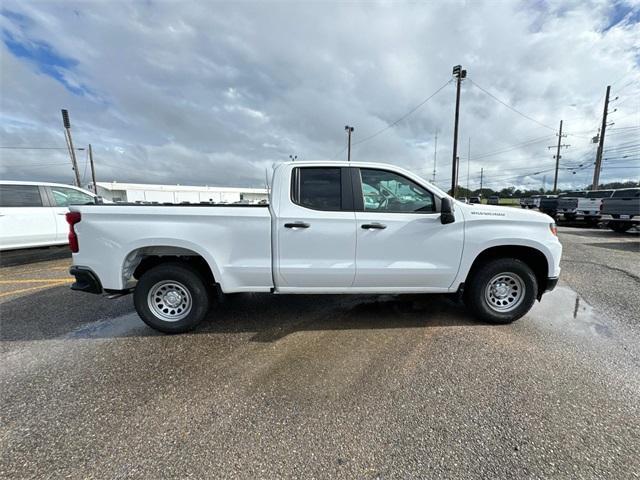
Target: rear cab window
628, 193
322, 188
599, 194
20, 196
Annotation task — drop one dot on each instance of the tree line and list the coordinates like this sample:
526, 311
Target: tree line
513, 192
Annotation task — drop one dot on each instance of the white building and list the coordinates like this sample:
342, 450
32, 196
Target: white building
142, 192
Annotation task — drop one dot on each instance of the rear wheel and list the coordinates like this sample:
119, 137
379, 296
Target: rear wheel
171, 298
501, 290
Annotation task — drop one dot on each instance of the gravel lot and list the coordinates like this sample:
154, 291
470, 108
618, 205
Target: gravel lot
330, 386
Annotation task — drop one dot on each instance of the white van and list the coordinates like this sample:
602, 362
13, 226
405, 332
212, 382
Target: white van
32, 214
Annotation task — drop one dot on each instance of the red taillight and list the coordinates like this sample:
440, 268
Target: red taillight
553, 228
72, 219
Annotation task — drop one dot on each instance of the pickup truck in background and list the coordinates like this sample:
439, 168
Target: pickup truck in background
330, 228
568, 204
589, 206
624, 208
549, 205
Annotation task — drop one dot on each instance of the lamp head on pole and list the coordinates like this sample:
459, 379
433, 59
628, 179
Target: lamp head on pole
65, 118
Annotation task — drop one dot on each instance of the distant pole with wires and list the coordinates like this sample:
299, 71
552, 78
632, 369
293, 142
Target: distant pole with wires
468, 162
481, 178
72, 152
596, 171
93, 171
349, 130
557, 156
435, 155
459, 73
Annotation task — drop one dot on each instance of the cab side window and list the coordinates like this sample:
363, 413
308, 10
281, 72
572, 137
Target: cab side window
385, 191
63, 197
318, 188
20, 196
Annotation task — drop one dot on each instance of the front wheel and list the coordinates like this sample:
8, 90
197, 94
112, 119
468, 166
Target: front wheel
171, 298
501, 290
620, 227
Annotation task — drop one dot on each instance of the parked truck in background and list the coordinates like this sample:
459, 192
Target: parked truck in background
589, 206
330, 227
624, 208
568, 204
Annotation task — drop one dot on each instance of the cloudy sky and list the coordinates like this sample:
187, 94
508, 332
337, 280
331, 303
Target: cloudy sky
215, 92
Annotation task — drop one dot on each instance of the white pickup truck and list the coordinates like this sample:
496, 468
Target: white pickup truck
330, 227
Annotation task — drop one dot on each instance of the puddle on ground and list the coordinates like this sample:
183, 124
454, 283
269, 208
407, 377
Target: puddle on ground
123, 326
563, 308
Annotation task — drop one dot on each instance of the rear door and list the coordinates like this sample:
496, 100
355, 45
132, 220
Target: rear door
25, 220
61, 198
316, 231
401, 242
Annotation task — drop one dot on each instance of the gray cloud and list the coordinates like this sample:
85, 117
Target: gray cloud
214, 93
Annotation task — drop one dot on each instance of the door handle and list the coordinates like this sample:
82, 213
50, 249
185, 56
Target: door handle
368, 226
296, 225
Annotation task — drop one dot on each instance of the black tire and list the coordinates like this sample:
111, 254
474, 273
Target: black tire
476, 287
182, 279
570, 216
620, 227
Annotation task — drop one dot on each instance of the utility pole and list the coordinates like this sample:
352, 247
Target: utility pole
481, 177
557, 156
93, 171
459, 73
349, 130
435, 154
468, 162
596, 171
72, 152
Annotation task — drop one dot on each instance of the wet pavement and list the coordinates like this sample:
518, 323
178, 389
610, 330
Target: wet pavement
329, 386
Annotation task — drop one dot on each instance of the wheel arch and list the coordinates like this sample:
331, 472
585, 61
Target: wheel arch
532, 257
142, 258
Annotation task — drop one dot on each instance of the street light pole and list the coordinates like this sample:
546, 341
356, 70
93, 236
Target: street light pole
349, 130
72, 152
93, 171
459, 73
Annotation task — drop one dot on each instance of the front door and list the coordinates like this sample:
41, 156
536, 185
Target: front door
316, 231
401, 242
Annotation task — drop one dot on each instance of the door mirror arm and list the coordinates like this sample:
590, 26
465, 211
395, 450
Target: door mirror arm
446, 211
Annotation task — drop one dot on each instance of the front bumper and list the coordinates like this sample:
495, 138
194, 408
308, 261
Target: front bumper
86, 280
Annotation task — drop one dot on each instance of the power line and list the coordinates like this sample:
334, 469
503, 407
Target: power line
394, 123
511, 107
40, 148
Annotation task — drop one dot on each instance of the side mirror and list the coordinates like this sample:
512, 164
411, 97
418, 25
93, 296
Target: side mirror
446, 211
99, 200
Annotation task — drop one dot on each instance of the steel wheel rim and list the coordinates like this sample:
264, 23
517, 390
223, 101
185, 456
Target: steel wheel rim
169, 300
505, 292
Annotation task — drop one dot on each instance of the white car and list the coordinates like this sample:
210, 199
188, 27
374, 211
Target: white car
330, 227
32, 214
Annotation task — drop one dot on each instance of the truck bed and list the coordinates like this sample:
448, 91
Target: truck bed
237, 236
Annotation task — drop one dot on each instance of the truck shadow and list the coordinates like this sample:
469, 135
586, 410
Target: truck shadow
59, 313
275, 317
